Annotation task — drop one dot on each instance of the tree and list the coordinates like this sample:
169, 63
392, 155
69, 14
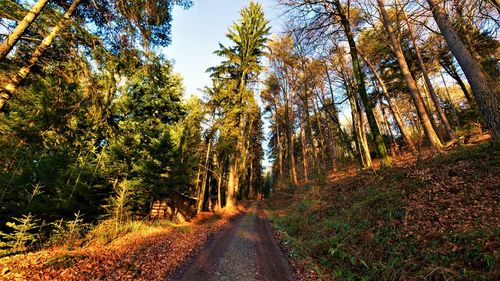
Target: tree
281, 84
427, 80
92, 117
14, 36
340, 12
486, 91
153, 24
240, 67
412, 87
392, 106
11, 87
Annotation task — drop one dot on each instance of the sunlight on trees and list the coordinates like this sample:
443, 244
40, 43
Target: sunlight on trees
94, 126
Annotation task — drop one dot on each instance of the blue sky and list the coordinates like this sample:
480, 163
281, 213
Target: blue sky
197, 31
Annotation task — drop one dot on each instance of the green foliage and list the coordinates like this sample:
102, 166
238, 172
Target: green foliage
94, 111
68, 232
236, 129
70, 164
21, 234
187, 140
249, 35
118, 203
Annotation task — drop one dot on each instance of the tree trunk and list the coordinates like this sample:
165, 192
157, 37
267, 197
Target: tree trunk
453, 73
14, 36
358, 130
428, 107
448, 97
364, 152
9, 90
486, 91
425, 74
304, 152
250, 183
412, 86
291, 142
308, 124
201, 192
280, 147
312, 140
219, 195
362, 131
232, 184
394, 144
321, 141
360, 83
335, 115
221, 168
392, 107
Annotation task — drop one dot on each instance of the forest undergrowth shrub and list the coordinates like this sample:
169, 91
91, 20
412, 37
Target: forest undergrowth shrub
119, 220
107, 230
22, 235
68, 232
29, 233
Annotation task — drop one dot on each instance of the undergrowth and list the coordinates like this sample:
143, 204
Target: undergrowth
404, 223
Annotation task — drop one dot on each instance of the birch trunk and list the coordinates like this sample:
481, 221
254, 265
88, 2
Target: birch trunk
24, 24
8, 91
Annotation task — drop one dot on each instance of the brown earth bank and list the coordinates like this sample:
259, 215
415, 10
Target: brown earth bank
424, 219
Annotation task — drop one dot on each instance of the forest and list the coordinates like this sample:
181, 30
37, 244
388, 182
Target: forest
359, 142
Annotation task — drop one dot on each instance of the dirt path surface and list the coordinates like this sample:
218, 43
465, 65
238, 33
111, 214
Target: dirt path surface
244, 249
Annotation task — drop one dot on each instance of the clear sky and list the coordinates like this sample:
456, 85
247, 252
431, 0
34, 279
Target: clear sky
197, 31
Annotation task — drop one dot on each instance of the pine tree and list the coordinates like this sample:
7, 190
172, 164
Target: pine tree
240, 67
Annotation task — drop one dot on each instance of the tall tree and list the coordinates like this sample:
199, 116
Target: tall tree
152, 22
11, 87
21, 27
241, 67
485, 90
431, 135
425, 74
340, 12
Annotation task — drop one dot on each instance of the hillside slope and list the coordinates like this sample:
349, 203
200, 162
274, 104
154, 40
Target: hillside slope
434, 220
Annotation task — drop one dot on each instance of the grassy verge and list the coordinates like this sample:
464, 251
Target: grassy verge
435, 220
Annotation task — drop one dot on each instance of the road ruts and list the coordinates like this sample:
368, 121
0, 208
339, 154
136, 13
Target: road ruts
245, 249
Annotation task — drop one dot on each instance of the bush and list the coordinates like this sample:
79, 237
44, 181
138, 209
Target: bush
22, 235
68, 232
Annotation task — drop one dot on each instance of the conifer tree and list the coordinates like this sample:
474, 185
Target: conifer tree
241, 66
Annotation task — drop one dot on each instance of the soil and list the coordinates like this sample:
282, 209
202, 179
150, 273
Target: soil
244, 249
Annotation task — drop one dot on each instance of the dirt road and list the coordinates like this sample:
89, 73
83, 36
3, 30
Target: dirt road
244, 250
